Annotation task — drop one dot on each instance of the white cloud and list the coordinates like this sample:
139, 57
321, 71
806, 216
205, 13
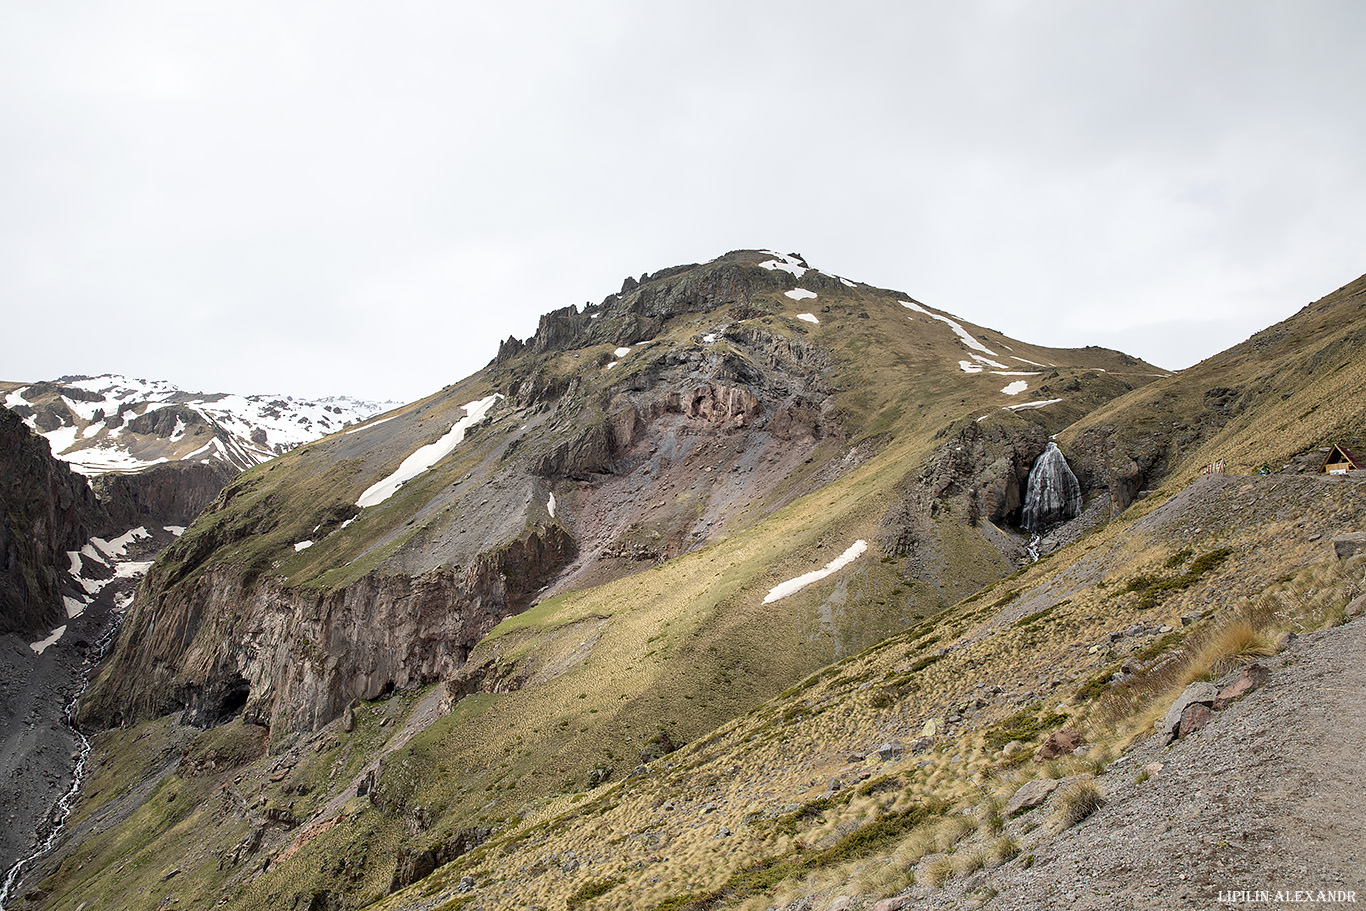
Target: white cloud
271, 178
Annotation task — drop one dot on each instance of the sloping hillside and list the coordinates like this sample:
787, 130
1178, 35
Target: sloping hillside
655, 477
578, 652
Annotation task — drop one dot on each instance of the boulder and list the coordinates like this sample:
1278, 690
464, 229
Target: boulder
1356, 608
1195, 717
1031, 795
1059, 743
1253, 676
1197, 692
891, 750
891, 904
1350, 544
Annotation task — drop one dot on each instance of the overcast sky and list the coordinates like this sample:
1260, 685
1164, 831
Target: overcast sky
363, 198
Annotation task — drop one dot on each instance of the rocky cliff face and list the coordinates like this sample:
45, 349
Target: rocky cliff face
170, 494
46, 511
291, 660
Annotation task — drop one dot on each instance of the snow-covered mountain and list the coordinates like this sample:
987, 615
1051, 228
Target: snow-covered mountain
113, 423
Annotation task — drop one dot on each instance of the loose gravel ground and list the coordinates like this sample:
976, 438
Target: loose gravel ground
1267, 798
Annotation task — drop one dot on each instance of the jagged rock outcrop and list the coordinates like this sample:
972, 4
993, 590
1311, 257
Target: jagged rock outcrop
1101, 461
412, 866
45, 510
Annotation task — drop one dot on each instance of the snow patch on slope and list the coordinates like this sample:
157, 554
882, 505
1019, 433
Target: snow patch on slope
963, 334
427, 456
792, 586
1025, 406
785, 263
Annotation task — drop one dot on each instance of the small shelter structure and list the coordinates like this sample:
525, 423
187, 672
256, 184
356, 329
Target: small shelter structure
1341, 461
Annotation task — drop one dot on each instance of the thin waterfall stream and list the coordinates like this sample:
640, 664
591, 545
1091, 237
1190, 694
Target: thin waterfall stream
1052, 496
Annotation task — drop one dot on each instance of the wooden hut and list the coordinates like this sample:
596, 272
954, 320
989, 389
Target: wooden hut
1341, 461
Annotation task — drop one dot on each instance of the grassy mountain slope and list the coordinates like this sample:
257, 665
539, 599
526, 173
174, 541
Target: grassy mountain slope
735, 446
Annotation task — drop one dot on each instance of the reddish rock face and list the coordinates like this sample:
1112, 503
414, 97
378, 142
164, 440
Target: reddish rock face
1195, 717
1253, 676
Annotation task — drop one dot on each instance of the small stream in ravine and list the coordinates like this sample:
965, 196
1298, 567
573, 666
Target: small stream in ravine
57, 816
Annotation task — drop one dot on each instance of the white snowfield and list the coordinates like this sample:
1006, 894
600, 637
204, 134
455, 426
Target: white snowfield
808, 317
92, 447
41, 645
622, 352
1016, 387
424, 458
989, 362
792, 586
550, 505
785, 263
367, 426
800, 294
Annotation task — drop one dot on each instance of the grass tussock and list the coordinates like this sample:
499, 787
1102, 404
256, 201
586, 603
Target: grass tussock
1004, 849
1076, 803
939, 871
1229, 646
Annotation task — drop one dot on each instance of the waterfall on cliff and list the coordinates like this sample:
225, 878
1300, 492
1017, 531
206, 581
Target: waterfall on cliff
1053, 494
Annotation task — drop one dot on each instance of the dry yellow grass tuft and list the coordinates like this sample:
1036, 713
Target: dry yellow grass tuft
1077, 802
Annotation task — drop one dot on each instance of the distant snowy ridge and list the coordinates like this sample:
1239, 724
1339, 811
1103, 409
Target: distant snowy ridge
113, 423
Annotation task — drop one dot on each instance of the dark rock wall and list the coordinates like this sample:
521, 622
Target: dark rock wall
170, 494
45, 510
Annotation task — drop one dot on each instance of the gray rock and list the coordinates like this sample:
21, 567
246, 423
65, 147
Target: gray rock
1202, 692
1350, 544
1031, 795
891, 749
1356, 608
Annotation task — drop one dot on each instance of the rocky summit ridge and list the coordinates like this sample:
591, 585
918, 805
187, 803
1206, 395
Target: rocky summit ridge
712, 594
